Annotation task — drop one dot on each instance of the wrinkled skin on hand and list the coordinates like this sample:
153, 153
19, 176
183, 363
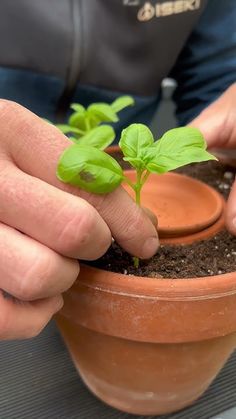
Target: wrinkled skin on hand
218, 125
46, 226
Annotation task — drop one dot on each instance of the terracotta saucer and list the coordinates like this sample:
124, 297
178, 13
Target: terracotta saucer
183, 206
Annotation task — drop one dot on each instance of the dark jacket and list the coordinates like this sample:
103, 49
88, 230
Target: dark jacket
53, 52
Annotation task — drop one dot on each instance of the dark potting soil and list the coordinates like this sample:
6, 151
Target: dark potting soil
213, 256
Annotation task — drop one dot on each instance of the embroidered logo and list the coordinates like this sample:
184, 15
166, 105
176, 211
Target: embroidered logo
131, 2
149, 11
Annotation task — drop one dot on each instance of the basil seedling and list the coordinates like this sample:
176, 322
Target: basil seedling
96, 171
84, 125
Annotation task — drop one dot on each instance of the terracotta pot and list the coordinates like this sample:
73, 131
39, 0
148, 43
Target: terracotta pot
150, 346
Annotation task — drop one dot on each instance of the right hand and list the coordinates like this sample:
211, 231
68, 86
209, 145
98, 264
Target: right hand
45, 225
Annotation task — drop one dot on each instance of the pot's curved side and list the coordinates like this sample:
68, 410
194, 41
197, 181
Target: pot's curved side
151, 309
144, 378
149, 346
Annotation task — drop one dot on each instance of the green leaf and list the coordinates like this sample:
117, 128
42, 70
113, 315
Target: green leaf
103, 112
77, 107
66, 129
94, 121
121, 103
176, 148
77, 120
135, 139
99, 137
90, 169
73, 139
136, 162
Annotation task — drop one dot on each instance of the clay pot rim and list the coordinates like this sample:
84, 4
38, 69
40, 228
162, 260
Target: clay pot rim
179, 289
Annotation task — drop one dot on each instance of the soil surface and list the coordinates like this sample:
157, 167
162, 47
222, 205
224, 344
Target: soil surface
213, 256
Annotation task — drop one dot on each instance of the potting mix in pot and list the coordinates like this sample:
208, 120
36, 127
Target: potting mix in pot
150, 336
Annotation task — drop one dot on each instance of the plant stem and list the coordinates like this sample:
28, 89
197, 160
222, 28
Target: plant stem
136, 262
145, 177
138, 187
87, 124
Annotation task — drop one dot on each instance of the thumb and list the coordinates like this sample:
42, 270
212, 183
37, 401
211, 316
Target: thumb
217, 121
231, 211
210, 124
151, 216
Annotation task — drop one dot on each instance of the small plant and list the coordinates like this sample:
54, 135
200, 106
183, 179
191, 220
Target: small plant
84, 125
96, 171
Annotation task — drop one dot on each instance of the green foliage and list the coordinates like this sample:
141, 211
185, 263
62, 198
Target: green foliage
77, 107
176, 148
67, 129
96, 171
90, 169
122, 102
99, 137
102, 112
84, 121
135, 140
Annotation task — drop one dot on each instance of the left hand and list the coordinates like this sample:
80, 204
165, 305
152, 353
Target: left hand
218, 125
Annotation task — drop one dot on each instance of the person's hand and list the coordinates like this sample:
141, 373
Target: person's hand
45, 225
218, 125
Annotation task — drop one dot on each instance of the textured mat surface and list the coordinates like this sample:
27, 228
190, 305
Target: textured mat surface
38, 381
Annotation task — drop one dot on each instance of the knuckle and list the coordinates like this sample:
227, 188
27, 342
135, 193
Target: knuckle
78, 230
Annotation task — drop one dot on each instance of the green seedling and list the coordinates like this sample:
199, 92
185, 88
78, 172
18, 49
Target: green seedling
96, 171
84, 125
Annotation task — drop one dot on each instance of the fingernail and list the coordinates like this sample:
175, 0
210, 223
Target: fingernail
150, 247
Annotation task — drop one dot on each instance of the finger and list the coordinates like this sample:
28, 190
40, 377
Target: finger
151, 216
20, 320
226, 156
30, 270
217, 121
210, 125
37, 153
130, 226
231, 211
59, 220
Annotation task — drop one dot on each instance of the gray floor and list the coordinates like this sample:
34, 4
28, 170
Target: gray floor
229, 414
38, 381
